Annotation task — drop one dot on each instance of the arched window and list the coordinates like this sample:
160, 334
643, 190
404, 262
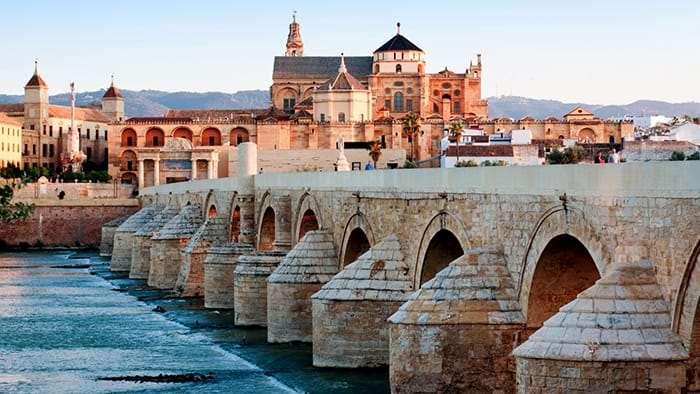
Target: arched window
398, 68
398, 102
341, 117
455, 107
376, 68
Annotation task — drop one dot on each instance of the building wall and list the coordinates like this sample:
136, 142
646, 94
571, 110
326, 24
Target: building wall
655, 150
10, 143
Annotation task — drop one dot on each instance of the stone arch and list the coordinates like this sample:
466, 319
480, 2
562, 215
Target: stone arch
307, 222
235, 228
128, 138
564, 269
211, 212
239, 135
287, 92
686, 316
556, 222
155, 137
129, 178
266, 234
211, 136
353, 242
439, 226
307, 203
128, 161
182, 132
586, 135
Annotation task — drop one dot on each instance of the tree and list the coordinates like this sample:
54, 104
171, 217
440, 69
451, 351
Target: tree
375, 151
571, 155
677, 156
12, 212
456, 133
411, 128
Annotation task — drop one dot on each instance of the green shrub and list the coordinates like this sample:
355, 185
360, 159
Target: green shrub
694, 156
571, 155
410, 164
469, 163
677, 156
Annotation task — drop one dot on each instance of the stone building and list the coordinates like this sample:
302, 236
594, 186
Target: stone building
45, 126
10, 141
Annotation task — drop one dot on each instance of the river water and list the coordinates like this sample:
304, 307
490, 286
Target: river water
67, 323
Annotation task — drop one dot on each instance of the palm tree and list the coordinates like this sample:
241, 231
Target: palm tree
456, 133
411, 129
375, 151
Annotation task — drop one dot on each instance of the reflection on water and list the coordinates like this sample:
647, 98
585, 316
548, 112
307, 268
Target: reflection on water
63, 326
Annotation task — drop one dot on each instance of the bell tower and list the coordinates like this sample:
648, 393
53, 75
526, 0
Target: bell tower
295, 46
36, 101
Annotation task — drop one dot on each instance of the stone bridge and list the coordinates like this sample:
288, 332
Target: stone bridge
549, 278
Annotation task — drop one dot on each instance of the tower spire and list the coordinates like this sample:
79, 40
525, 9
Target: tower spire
342, 68
36, 66
398, 28
295, 46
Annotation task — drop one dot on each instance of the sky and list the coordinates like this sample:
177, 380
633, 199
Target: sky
598, 52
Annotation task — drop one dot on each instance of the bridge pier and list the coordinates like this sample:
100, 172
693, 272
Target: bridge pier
107, 240
167, 243
123, 241
219, 274
141, 251
250, 287
190, 280
457, 332
615, 336
350, 312
306, 268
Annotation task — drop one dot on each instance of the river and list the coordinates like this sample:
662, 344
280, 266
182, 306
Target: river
67, 325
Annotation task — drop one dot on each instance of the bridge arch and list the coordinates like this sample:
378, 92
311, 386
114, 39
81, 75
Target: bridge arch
563, 250
357, 239
444, 240
308, 216
266, 223
686, 315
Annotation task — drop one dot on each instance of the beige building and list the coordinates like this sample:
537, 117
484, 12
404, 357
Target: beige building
342, 99
10, 142
45, 126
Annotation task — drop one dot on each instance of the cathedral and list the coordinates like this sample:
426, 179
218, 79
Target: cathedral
394, 77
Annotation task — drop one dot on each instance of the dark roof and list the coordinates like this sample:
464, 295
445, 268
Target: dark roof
320, 67
481, 150
112, 92
398, 43
343, 81
36, 81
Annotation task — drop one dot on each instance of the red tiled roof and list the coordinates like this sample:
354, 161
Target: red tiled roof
4, 119
89, 114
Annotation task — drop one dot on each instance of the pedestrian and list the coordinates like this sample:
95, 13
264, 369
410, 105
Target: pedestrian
369, 166
599, 159
615, 156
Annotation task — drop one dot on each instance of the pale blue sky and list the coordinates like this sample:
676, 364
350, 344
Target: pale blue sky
607, 52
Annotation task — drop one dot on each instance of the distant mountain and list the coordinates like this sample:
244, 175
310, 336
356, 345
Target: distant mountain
518, 107
156, 103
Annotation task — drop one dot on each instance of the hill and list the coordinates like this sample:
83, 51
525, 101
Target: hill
155, 103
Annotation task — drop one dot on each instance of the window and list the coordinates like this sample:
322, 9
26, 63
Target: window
446, 85
31, 127
341, 117
44, 150
51, 150
60, 131
409, 105
398, 84
88, 153
398, 68
105, 133
129, 141
387, 105
455, 107
34, 149
156, 141
212, 140
50, 131
44, 130
323, 118
288, 104
398, 102
26, 149
88, 133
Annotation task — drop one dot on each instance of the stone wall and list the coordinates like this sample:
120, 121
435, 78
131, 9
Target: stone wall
57, 224
73, 191
655, 150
